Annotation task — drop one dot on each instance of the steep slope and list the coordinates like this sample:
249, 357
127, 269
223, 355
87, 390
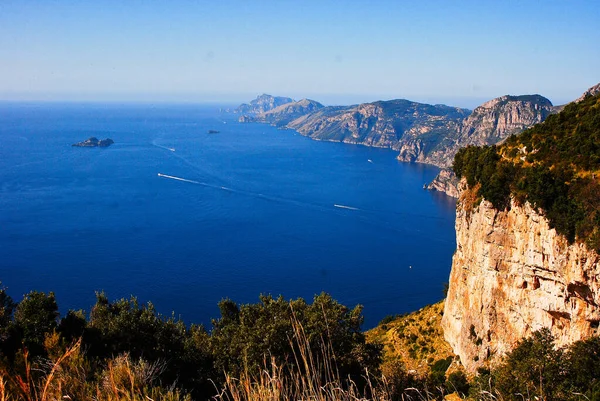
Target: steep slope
262, 104
397, 124
492, 123
284, 114
489, 124
528, 235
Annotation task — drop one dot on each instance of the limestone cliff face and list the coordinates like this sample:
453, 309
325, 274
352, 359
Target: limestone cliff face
512, 275
489, 124
411, 127
492, 123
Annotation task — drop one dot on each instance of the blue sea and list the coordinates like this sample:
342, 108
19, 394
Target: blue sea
249, 210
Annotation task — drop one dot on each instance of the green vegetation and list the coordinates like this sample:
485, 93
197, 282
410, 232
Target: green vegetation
554, 165
272, 350
538, 369
168, 354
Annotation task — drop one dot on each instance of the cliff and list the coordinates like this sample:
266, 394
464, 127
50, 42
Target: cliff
262, 104
492, 123
446, 182
489, 124
528, 238
512, 275
421, 133
409, 127
282, 115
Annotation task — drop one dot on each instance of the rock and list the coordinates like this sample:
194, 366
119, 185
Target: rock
491, 123
512, 275
594, 90
246, 119
446, 182
282, 115
93, 142
395, 124
262, 104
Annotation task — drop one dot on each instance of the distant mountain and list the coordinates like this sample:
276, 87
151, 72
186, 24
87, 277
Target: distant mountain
262, 104
282, 115
421, 133
490, 124
393, 124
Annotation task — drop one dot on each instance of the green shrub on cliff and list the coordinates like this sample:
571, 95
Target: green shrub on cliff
555, 166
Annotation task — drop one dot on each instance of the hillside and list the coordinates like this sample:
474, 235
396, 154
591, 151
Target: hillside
528, 236
554, 166
262, 104
415, 340
420, 132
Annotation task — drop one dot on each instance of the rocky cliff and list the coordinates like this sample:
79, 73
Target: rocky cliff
420, 132
262, 104
511, 275
489, 124
413, 128
446, 182
282, 115
493, 122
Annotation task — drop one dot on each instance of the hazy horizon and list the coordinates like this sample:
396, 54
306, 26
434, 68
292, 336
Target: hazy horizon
459, 53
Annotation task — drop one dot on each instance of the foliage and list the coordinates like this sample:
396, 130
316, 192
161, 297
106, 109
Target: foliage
554, 165
245, 336
127, 338
35, 317
533, 368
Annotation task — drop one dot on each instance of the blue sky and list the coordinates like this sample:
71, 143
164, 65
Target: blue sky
455, 52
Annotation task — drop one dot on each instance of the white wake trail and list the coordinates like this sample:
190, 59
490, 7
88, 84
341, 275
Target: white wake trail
346, 207
178, 178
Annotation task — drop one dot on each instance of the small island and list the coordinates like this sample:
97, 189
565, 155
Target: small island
94, 142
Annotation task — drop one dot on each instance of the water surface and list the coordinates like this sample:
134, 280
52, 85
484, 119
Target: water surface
263, 211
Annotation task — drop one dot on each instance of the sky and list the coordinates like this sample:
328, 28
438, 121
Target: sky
338, 52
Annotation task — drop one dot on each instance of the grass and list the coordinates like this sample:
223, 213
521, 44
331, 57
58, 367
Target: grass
414, 340
64, 375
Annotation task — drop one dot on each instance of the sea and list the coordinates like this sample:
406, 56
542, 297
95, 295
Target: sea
184, 218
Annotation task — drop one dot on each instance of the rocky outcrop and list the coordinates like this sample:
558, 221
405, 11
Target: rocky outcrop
512, 275
94, 142
593, 91
489, 124
262, 104
396, 124
284, 114
492, 123
446, 182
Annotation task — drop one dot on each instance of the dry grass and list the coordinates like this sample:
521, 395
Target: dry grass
65, 377
312, 378
414, 341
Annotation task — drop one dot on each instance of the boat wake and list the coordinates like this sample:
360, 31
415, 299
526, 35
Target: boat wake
367, 216
346, 207
172, 177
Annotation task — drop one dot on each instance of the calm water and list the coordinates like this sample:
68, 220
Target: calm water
257, 216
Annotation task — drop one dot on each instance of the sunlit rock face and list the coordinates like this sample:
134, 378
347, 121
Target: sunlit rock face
512, 275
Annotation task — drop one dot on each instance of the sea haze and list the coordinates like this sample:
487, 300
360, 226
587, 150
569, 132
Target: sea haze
257, 215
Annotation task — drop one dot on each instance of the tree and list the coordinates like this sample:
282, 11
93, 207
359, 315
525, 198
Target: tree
534, 369
35, 317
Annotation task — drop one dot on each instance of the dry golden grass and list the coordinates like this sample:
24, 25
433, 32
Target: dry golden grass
414, 341
65, 377
312, 378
